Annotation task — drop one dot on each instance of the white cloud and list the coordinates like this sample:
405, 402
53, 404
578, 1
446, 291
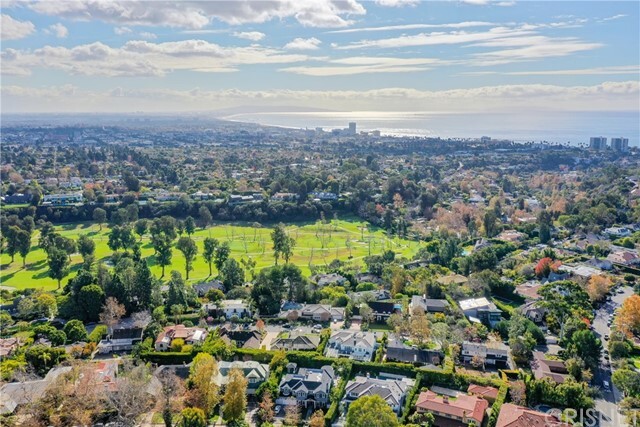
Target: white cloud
437, 38
596, 71
505, 3
303, 44
147, 35
250, 35
143, 58
12, 29
466, 24
607, 96
542, 47
122, 30
198, 14
366, 65
397, 3
58, 30
475, 2
614, 17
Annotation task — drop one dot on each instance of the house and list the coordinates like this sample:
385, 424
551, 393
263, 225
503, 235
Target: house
452, 279
234, 307
375, 295
493, 353
307, 387
511, 236
486, 392
17, 198
428, 305
546, 368
296, 341
623, 257
580, 271
256, 373
189, 335
351, 344
121, 339
398, 351
529, 290
481, 310
324, 196
392, 388
321, 312
322, 280
241, 338
201, 289
8, 346
62, 199
617, 232
285, 197
533, 311
602, 264
518, 416
382, 310
461, 411
368, 278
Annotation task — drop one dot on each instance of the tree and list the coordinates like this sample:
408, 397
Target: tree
317, 419
86, 246
189, 225
129, 398
188, 247
177, 293
90, 301
221, 255
162, 246
628, 381
193, 417
204, 217
279, 238
23, 239
46, 304
112, 312
292, 415
100, 216
172, 391
210, 246
419, 327
489, 221
204, 391
75, 331
597, 287
518, 392
232, 274
268, 290
628, 318
265, 408
12, 241
235, 396
141, 226
585, 345
58, 262
371, 411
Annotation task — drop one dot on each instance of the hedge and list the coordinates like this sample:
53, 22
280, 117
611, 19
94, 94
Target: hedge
98, 332
409, 403
332, 412
497, 404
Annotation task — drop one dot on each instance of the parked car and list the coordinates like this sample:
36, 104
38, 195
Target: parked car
606, 337
605, 385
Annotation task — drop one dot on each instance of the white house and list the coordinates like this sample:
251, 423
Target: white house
354, 345
234, 307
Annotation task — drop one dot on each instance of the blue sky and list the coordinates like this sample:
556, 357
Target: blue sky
338, 55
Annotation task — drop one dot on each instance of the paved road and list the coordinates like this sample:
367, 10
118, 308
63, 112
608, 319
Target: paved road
607, 404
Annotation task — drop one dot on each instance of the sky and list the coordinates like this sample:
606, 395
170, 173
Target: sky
336, 55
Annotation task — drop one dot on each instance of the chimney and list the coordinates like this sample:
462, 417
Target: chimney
445, 399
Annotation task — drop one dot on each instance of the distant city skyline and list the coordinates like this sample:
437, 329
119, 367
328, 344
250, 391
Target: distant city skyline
384, 55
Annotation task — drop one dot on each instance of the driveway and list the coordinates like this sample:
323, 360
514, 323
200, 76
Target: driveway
607, 405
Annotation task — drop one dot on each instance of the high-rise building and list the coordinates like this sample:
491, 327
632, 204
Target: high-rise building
620, 144
598, 143
352, 128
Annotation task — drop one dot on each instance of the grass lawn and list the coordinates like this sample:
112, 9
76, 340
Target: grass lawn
340, 239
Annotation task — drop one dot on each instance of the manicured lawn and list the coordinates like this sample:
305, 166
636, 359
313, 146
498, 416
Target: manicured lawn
313, 247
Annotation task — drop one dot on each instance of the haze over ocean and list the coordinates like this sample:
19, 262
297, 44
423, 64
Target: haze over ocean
561, 127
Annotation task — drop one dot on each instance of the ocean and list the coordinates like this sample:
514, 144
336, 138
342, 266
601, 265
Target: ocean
557, 127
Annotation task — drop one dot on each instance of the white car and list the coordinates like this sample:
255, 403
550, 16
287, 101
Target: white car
605, 385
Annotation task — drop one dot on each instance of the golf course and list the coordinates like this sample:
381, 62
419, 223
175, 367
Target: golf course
316, 244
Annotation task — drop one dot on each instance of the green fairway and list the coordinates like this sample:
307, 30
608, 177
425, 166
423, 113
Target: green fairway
315, 245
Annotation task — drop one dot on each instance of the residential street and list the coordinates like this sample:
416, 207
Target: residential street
607, 404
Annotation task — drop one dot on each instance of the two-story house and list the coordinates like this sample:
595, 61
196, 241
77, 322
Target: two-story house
256, 373
392, 388
492, 353
188, 335
296, 342
481, 310
428, 305
460, 411
234, 307
354, 345
309, 387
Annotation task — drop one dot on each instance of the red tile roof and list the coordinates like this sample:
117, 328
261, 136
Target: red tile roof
483, 391
461, 406
518, 416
